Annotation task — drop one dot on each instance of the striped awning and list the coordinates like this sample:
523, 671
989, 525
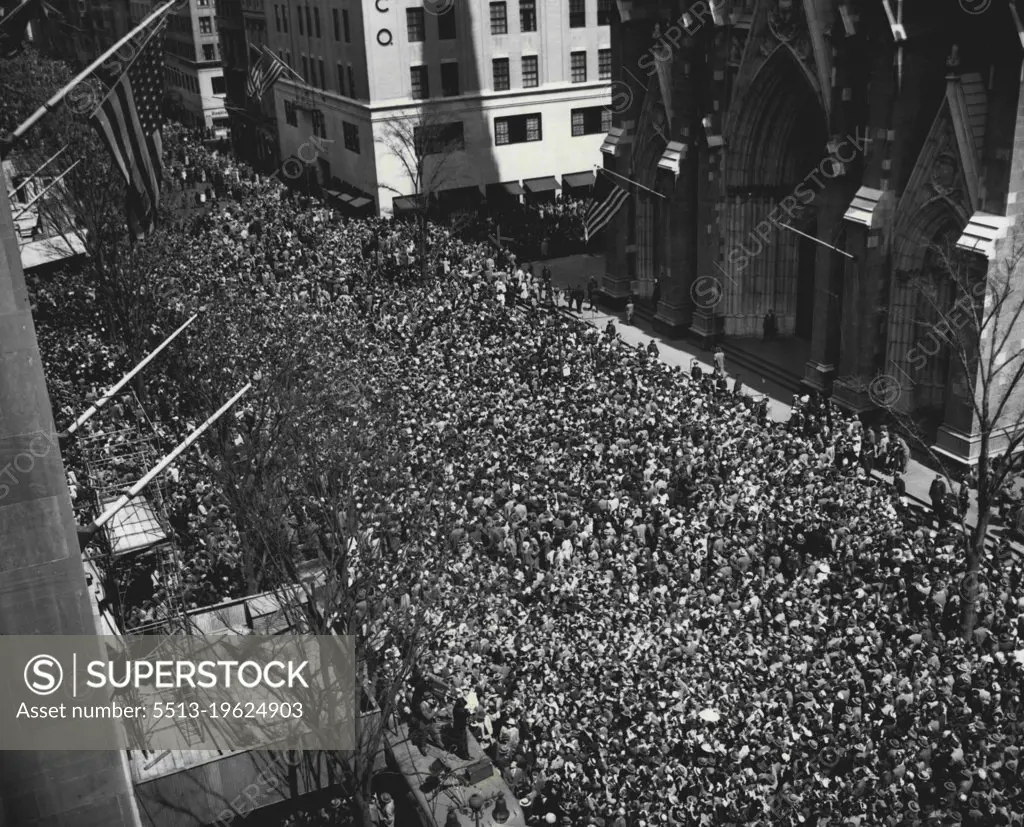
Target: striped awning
982, 232
578, 179
544, 184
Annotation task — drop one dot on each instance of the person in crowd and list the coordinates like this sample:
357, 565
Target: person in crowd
661, 606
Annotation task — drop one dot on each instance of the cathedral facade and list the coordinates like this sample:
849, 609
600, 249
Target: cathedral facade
809, 157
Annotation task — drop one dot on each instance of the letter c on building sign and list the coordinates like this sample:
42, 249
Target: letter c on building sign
385, 10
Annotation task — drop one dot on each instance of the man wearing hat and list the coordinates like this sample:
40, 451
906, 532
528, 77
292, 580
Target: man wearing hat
937, 494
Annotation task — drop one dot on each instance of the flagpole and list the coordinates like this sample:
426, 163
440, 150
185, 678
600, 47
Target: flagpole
25, 209
819, 241
110, 394
10, 15
630, 180
266, 50
53, 158
133, 492
63, 93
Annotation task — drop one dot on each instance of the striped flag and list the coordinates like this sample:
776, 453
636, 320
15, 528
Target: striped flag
650, 139
264, 73
608, 200
129, 120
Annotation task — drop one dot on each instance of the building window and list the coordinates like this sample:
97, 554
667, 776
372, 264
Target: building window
316, 19
531, 74
351, 133
305, 71
414, 23
323, 74
284, 19
446, 25
450, 79
528, 15
209, 51
604, 64
291, 115
299, 16
420, 82
437, 139
309, 23
205, 25
337, 24
593, 120
352, 93
344, 25
277, 17
319, 124
501, 76
341, 80
218, 85
604, 12
578, 66
518, 129
577, 14
499, 18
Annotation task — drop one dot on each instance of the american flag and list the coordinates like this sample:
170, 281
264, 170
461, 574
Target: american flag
650, 140
264, 73
129, 120
608, 200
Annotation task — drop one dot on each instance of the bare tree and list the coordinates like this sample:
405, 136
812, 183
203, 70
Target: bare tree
424, 145
975, 320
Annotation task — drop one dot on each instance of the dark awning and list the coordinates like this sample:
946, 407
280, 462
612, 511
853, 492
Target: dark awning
406, 203
578, 179
509, 188
334, 194
360, 203
535, 185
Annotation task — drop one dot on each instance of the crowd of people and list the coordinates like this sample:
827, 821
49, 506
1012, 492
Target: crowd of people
660, 606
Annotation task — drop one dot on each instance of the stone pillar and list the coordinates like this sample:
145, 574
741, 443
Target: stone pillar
676, 307
42, 579
831, 270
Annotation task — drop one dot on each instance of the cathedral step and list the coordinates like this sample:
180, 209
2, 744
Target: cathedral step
755, 366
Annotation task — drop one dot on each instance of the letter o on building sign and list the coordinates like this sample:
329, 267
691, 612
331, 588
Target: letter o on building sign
384, 37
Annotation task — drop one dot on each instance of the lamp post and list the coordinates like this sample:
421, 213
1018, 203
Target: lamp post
477, 805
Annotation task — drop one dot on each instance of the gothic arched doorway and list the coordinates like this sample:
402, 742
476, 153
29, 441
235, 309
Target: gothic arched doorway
923, 293
776, 143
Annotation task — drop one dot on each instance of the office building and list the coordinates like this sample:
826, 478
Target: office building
516, 92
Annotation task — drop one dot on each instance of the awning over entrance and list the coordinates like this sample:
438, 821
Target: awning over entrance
982, 232
512, 188
578, 179
539, 185
360, 203
407, 203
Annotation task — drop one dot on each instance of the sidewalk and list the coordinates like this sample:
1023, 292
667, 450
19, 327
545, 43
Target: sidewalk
681, 352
